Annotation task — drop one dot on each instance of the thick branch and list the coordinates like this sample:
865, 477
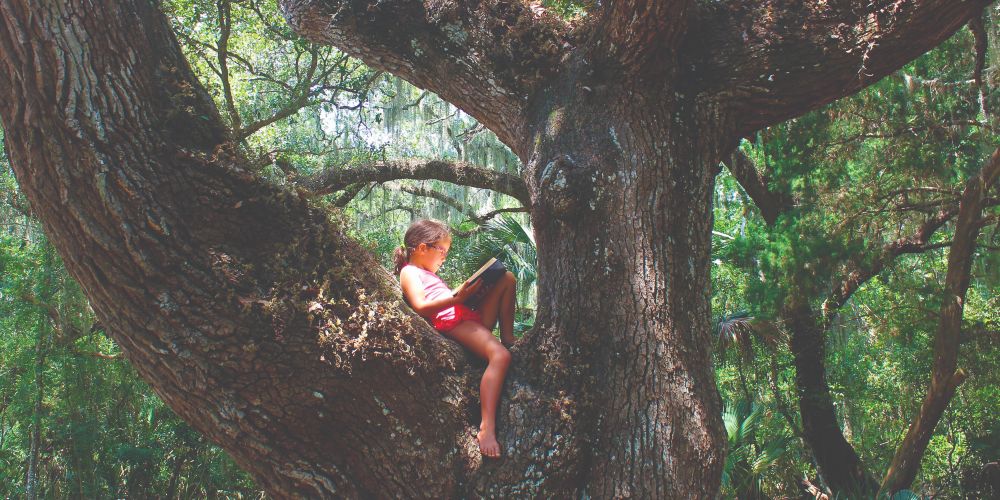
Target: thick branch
945, 376
631, 31
838, 464
770, 203
775, 60
198, 269
455, 172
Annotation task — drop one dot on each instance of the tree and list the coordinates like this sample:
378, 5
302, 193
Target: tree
256, 320
823, 250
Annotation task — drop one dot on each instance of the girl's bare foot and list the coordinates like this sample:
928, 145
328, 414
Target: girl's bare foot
488, 444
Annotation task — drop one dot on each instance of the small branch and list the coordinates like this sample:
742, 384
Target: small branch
443, 118
225, 20
462, 208
443, 198
860, 273
483, 219
99, 355
936, 84
979, 33
348, 194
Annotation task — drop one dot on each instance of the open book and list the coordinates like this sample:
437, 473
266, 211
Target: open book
490, 273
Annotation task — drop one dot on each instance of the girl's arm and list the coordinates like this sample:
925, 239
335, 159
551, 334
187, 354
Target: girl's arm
413, 289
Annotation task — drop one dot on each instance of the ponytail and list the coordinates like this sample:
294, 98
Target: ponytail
401, 256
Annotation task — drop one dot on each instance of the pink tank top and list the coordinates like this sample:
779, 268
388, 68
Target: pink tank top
434, 287
449, 317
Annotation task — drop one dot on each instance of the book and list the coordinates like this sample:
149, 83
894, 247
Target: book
490, 273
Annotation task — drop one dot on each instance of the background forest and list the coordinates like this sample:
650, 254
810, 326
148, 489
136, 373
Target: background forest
853, 219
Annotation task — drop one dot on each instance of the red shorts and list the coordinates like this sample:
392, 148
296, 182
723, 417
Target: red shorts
447, 319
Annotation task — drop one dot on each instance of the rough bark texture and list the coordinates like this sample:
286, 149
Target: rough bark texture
202, 273
945, 374
257, 321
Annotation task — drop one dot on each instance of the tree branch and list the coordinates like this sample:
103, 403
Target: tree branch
225, 26
774, 60
439, 196
461, 173
860, 272
945, 375
978, 30
349, 193
494, 53
631, 31
770, 203
198, 269
462, 208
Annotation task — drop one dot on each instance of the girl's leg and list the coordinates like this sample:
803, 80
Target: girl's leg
499, 304
481, 342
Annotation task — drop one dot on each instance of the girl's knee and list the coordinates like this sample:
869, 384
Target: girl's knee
500, 355
510, 279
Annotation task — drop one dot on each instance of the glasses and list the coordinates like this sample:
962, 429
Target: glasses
444, 253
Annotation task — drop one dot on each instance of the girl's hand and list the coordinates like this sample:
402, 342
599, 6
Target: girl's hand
465, 290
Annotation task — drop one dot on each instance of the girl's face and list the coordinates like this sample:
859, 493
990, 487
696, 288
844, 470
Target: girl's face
438, 252
435, 253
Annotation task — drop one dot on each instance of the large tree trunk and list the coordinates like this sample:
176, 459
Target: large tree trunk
202, 273
259, 323
623, 222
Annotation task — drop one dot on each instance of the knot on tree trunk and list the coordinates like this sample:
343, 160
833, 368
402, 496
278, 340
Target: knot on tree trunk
568, 187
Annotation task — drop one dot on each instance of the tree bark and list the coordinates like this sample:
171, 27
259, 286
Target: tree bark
839, 466
614, 209
770, 203
199, 271
261, 324
945, 375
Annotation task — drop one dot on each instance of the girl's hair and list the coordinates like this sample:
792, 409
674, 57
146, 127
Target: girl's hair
426, 231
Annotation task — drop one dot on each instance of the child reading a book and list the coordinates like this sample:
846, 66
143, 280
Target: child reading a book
424, 249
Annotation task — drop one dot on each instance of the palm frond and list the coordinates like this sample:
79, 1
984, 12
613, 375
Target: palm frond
741, 328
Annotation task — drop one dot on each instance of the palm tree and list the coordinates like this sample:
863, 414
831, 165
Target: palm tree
511, 242
743, 472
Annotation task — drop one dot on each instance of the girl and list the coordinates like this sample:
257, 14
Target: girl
424, 249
